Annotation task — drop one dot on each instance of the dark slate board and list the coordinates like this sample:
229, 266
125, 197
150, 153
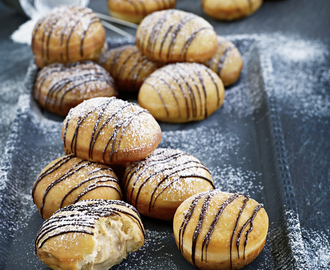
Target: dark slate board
242, 145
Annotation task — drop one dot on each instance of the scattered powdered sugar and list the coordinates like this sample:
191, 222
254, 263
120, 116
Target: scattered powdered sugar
298, 50
303, 91
201, 142
301, 77
159, 245
216, 150
24, 33
317, 244
230, 179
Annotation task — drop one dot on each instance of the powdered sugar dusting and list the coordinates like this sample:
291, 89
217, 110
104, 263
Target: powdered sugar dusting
298, 50
218, 146
317, 244
216, 150
159, 244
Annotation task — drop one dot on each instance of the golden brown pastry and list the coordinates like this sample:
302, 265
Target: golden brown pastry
92, 234
218, 230
67, 34
135, 10
158, 184
60, 87
228, 10
69, 179
182, 92
176, 36
227, 62
129, 67
110, 130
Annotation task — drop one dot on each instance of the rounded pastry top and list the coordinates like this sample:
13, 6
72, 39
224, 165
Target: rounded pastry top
135, 10
110, 130
219, 230
128, 66
70, 179
67, 34
158, 184
182, 92
229, 10
176, 36
227, 62
60, 87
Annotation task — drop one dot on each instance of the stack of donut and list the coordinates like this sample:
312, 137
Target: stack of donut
112, 170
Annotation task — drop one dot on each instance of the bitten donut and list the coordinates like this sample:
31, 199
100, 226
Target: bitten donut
135, 10
176, 36
67, 34
218, 230
110, 130
227, 62
128, 66
182, 92
92, 234
60, 87
69, 179
229, 10
157, 185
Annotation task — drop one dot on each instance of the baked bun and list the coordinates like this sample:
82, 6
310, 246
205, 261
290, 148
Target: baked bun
110, 130
67, 34
135, 10
60, 87
229, 10
182, 92
157, 185
128, 66
227, 62
69, 179
176, 36
93, 234
218, 230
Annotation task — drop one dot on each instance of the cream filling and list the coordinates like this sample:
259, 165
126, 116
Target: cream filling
111, 245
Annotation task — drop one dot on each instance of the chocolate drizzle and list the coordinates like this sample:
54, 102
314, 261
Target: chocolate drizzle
186, 81
216, 63
166, 167
248, 222
206, 200
67, 19
177, 25
81, 218
223, 59
117, 114
125, 65
234, 231
137, 5
95, 178
82, 75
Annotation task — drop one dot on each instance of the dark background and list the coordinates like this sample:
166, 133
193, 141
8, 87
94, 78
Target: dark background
295, 34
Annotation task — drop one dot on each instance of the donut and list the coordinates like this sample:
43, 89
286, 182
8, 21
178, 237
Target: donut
182, 92
135, 10
67, 34
158, 184
110, 130
176, 36
219, 230
227, 62
128, 66
229, 10
91, 234
60, 87
69, 179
